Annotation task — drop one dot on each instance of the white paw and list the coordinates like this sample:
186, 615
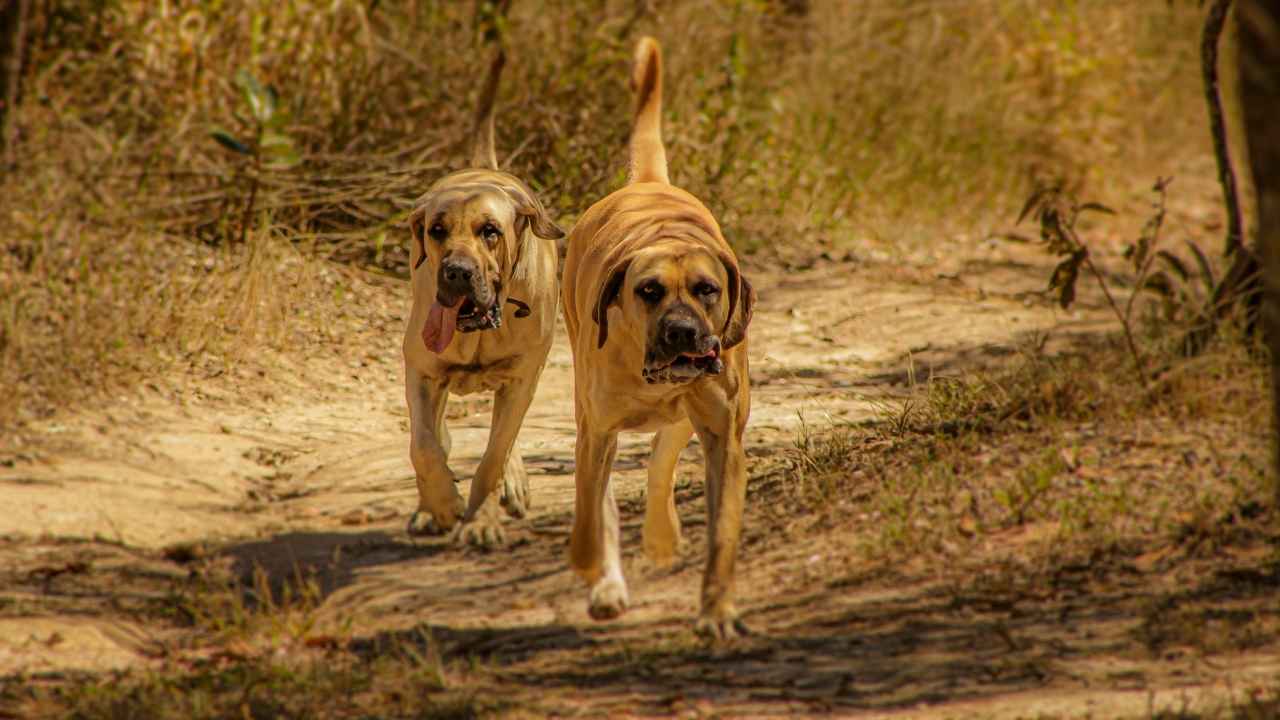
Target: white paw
608, 599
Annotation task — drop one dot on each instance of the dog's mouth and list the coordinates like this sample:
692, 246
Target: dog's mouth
684, 366
466, 315
473, 317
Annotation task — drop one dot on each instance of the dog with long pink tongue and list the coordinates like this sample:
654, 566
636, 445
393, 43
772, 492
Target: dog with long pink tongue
484, 264
441, 322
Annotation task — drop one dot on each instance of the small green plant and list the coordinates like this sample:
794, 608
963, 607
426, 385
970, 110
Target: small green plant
1057, 211
267, 146
814, 455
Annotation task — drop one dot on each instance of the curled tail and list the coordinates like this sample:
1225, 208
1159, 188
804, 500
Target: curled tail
482, 150
648, 156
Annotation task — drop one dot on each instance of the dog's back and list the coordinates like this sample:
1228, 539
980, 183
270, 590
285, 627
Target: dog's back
648, 191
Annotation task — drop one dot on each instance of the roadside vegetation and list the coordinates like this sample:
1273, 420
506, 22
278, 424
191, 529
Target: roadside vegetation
181, 173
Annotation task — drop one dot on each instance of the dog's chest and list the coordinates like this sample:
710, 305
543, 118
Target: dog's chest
479, 376
644, 413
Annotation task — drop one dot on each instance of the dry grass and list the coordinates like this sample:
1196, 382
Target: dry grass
1065, 451
85, 307
855, 124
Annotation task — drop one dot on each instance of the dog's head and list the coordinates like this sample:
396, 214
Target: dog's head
471, 235
685, 303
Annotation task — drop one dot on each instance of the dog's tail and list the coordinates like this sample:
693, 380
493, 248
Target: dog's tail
648, 156
483, 153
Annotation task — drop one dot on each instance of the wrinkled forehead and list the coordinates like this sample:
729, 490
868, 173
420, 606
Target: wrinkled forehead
468, 205
676, 260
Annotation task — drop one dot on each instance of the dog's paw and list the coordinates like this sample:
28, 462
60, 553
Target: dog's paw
608, 599
515, 495
481, 532
719, 627
424, 524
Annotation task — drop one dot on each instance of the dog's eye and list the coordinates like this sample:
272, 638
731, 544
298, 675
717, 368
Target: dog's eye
437, 232
706, 290
490, 233
651, 292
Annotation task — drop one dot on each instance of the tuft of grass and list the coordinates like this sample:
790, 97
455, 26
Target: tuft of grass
259, 648
85, 307
1062, 449
303, 685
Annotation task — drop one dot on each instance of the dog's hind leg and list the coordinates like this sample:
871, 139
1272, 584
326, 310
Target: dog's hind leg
439, 504
661, 522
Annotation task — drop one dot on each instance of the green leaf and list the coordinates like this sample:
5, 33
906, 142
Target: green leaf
1064, 278
1095, 207
1032, 202
254, 96
274, 141
1138, 252
1158, 283
1174, 263
1206, 270
283, 159
227, 141
270, 99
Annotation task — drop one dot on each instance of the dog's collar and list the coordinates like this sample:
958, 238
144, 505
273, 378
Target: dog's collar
522, 309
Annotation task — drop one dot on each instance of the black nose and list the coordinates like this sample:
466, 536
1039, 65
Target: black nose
456, 273
680, 334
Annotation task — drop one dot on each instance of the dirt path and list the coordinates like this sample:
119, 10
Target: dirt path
312, 471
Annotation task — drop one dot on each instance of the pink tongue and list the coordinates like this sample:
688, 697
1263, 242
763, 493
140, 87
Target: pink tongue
440, 325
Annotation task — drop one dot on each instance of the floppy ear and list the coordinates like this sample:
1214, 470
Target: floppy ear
742, 301
417, 229
530, 210
608, 296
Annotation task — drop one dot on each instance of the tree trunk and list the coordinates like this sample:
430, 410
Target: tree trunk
1214, 24
13, 33
1239, 287
1259, 24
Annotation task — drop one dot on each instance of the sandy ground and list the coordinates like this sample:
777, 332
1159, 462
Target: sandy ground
309, 468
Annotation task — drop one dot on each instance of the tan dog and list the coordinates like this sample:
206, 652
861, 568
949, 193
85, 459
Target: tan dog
657, 313
484, 308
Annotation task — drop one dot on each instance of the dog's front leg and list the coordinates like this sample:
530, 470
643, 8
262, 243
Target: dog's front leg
482, 525
661, 522
720, 426
439, 504
594, 550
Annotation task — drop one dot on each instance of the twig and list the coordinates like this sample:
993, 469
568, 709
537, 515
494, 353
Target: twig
253, 188
1138, 361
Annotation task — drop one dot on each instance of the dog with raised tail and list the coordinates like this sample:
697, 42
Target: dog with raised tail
657, 313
